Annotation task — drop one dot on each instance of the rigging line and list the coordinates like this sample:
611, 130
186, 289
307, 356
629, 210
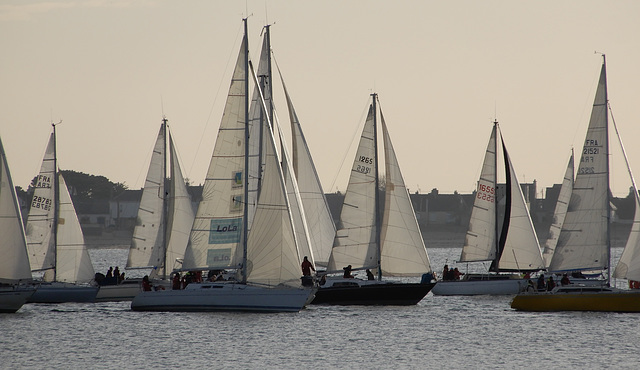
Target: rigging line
624, 153
358, 129
215, 100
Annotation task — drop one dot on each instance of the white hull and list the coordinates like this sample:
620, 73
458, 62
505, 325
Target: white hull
126, 290
11, 299
64, 292
120, 292
224, 297
480, 287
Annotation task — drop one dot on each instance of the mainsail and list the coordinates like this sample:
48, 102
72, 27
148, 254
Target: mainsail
40, 220
217, 235
355, 242
583, 243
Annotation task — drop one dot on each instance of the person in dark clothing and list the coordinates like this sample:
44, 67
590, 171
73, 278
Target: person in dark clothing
175, 283
541, 284
347, 272
370, 275
307, 267
146, 285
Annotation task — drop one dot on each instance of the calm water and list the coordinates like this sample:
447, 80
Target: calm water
440, 332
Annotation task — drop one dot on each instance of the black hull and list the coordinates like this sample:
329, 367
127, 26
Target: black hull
398, 294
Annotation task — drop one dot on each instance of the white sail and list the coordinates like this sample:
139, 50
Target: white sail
14, 264
322, 230
39, 228
180, 214
583, 242
257, 126
216, 237
402, 246
355, 237
628, 266
272, 254
298, 211
629, 263
480, 240
73, 262
559, 212
521, 247
147, 243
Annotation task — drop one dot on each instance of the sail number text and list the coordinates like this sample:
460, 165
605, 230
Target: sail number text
361, 168
42, 203
589, 152
486, 192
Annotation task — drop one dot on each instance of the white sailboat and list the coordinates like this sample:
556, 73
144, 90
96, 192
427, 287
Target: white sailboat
381, 237
265, 256
164, 221
585, 240
510, 244
15, 272
54, 238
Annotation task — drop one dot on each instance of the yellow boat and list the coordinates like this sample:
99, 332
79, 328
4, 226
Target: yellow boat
586, 298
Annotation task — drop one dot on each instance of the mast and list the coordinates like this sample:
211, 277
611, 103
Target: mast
56, 204
374, 97
496, 239
245, 218
265, 82
606, 125
164, 195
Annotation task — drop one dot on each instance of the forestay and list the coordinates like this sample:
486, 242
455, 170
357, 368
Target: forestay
147, 244
355, 242
480, 240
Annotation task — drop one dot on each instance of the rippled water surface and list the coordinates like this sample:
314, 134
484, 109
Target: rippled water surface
440, 332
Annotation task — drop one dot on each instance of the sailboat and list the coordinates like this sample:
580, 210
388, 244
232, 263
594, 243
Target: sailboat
510, 243
584, 242
383, 237
15, 272
54, 238
164, 221
252, 235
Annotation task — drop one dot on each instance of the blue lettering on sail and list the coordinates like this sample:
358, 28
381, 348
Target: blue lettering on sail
225, 231
219, 257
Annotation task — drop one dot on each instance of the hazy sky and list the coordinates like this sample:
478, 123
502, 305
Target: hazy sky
443, 71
